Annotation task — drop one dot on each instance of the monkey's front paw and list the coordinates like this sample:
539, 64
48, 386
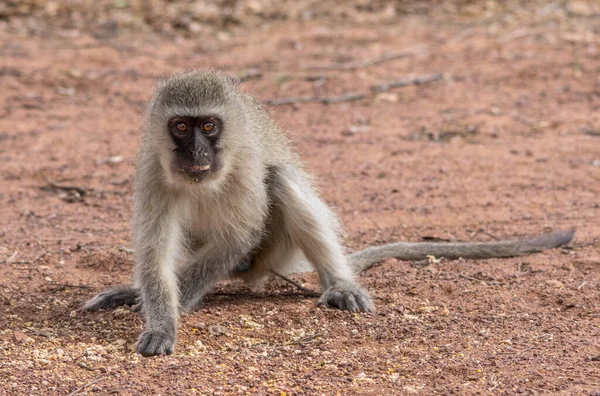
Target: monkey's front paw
138, 306
349, 297
152, 343
113, 298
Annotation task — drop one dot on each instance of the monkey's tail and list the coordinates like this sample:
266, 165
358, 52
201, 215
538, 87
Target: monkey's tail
365, 259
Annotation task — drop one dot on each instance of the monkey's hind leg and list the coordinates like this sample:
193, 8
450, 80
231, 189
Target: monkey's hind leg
113, 298
311, 226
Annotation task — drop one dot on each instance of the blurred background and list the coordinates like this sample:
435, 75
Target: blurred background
105, 18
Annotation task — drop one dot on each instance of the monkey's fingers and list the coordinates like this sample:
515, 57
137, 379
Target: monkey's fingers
152, 343
113, 298
138, 306
348, 297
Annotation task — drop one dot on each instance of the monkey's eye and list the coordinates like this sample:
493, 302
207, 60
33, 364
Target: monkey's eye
208, 126
181, 126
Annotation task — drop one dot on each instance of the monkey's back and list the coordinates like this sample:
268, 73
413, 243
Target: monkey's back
270, 135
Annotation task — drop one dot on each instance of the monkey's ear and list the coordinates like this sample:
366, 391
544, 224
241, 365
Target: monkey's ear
233, 78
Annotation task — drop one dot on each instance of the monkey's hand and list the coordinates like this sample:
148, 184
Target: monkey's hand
113, 298
156, 342
347, 296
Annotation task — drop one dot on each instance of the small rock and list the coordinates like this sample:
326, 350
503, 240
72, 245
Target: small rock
354, 129
199, 345
387, 97
115, 159
199, 326
428, 309
119, 312
22, 338
66, 91
554, 283
218, 330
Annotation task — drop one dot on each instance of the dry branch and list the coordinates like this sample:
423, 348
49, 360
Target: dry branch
411, 81
159, 372
82, 191
368, 62
78, 390
306, 291
314, 99
350, 97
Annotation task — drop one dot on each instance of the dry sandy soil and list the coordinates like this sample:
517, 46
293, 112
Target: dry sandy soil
505, 144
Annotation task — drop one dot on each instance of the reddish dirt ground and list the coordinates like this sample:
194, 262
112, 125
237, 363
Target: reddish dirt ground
506, 144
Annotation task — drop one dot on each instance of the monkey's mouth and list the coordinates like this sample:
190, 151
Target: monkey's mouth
198, 168
196, 172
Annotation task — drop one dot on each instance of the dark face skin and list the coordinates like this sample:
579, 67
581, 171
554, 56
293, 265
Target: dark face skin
196, 155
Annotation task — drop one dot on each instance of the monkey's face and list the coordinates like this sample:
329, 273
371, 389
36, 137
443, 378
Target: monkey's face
195, 126
196, 154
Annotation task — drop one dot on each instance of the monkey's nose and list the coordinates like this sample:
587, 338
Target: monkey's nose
197, 153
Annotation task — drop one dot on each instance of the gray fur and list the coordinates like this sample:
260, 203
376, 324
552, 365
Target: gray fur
113, 298
259, 204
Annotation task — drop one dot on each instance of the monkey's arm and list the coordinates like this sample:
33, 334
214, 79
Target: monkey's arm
364, 259
158, 241
313, 228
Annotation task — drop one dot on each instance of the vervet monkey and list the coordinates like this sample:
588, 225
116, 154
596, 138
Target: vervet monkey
218, 184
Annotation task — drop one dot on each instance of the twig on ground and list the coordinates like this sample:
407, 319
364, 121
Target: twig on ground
118, 390
523, 120
76, 391
410, 81
518, 34
11, 258
489, 282
484, 232
126, 250
471, 278
249, 75
541, 336
305, 290
367, 62
64, 286
85, 366
8, 260
42, 333
583, 284
220, 293
75, 286
313, 99
490, 235
526, 349
159, 372
350, 97
304, 340
420, 263
51, 185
